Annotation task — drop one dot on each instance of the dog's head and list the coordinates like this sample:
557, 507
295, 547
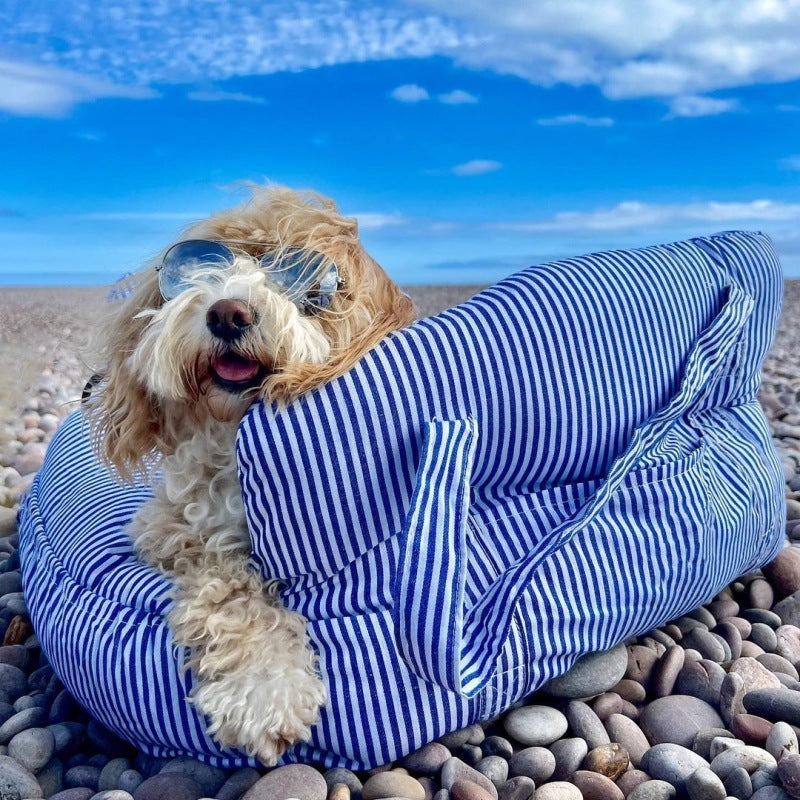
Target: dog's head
267, 300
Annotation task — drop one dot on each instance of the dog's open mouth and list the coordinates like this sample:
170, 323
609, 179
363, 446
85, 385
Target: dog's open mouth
235, 373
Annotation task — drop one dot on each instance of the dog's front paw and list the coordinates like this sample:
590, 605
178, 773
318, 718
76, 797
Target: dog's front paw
262, 711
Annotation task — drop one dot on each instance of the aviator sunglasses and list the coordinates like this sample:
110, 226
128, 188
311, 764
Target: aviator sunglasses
307, 277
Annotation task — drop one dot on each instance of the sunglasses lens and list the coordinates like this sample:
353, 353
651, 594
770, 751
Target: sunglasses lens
305, 276
184, 259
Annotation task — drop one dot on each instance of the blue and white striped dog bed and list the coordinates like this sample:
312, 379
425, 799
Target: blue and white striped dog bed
573, 456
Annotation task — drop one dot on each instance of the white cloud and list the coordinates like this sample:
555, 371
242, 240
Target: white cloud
457, 97
633, 215
374, 220
32, 90
698, 106
219, 96
477, 166
410, 93
791, 163
633, 48
577, 119
628, 48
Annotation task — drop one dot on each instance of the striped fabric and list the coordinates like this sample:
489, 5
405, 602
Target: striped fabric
574, 456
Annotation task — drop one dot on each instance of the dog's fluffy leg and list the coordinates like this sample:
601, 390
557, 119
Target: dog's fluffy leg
255, 673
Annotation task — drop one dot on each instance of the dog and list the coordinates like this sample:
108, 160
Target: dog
266, 301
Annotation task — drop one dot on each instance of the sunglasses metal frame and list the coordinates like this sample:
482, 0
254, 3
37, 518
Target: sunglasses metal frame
307, 305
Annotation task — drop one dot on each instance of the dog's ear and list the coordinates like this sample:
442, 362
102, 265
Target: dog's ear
127, 422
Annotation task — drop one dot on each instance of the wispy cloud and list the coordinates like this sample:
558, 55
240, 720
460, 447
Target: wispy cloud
457, 97
699, 106
410, 93
374, 220
634, 215
577, 119
791, 163
219, 96
32, 90
478, 166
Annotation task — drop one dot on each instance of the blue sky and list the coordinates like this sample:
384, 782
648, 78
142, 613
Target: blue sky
469, 139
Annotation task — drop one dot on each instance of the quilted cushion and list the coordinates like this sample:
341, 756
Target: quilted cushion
573, 456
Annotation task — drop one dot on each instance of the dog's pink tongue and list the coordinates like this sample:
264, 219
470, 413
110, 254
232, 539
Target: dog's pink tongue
234, 368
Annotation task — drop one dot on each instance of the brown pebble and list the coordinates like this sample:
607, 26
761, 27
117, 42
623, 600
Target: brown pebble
631, 779
730, 633
751, 729
674, 631
467, 790
610, 760
783, 572
392, 784
19, 629
789, 773
626, 732
741, 624
641, 661
595, 786
665, 672
607, 704
760, 594
751, 650
630, 690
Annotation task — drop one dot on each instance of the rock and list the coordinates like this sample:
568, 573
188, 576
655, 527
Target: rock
467, 790
85, 775
384, 784
777, 664
788, 645
746, 756
706, 643
754, 674
494, 768
789, 774
769, 793
16, 781
701, 679
292, 781
653, 790
81, 793
51, 777
730, 696
677, 719
783, 573
112, 794
751, 729
631, 779
781, 741
761, 615
558, 790
788, 610
738, 783
721, 744
241, 780
427, 760
773, 704
730, 633
591, 674
569, 755
13, 682
535, 725
666, 670
586, 724
32, 748
497, 746
631, 691
130, 780
175, 787
641, 662
536, 763
764, 637
629, 735
207, 777
30, 718
610, 760
594, 786
520, 788
607, 704
703, 784
456, 770
672, 763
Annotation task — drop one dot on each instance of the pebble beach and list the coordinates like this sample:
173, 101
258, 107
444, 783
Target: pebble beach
707, 707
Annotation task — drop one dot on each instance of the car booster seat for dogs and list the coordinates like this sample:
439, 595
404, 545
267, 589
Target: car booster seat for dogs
573, 456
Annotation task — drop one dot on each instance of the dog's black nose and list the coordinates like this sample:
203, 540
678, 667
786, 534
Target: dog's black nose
229, 319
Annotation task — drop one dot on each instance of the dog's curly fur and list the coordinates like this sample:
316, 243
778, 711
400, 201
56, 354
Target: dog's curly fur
161, 404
